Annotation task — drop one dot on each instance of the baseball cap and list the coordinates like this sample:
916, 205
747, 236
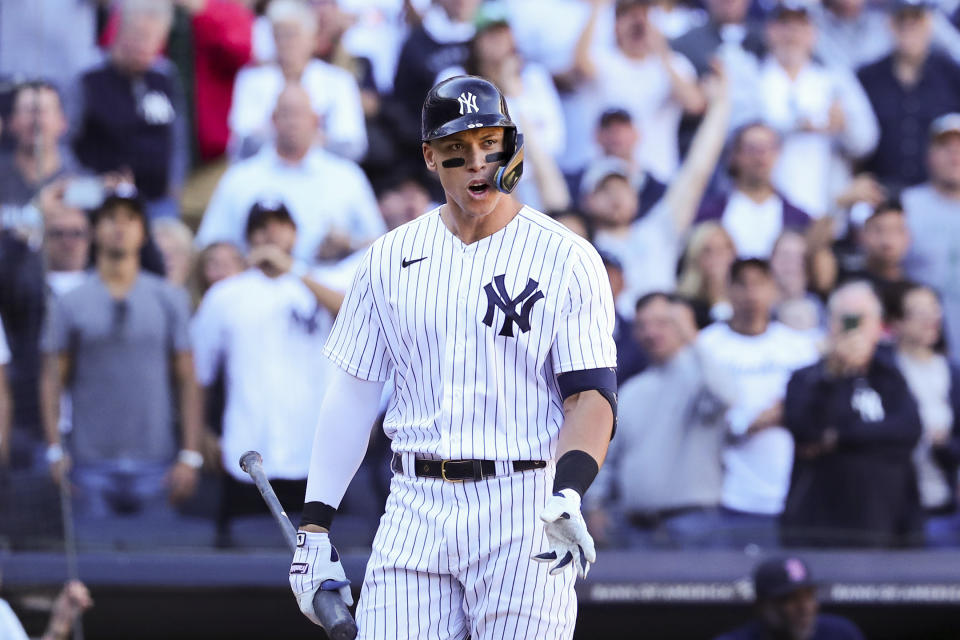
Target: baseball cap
265, 210
942, 125
896, 6
781, 576
600, 170
614, 114
795, 7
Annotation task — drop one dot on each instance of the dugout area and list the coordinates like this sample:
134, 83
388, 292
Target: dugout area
209, 595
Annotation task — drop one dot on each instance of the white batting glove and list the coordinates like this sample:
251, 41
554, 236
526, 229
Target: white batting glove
566, 532
316, 566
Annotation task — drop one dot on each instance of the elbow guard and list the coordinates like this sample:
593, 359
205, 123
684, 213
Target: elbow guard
603, 381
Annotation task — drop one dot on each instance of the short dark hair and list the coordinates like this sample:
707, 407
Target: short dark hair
614, 115
37, 85
124, 195
742, 264
895, 305
648, 298
890, 205
624, 6
264, 212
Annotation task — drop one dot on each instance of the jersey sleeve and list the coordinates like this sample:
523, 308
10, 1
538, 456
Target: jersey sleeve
357, 343
584, 338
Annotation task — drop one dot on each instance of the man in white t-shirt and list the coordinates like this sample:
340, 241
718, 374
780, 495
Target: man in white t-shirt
757, 357
329, 197
266, 327
333, 91
643, 75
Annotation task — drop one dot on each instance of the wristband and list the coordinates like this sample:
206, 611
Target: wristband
575, 470
318, 513
54, 453
193, 459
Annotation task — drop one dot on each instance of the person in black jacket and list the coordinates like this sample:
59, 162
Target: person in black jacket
917, 319
855, 424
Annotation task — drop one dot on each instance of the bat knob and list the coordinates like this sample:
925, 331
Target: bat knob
248, 459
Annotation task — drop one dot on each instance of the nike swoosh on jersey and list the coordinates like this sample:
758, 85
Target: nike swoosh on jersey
406, 263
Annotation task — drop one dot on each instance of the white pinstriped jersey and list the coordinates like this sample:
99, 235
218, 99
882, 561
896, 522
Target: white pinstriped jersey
474, 335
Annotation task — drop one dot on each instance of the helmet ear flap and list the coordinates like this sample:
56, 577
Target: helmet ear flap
509, 174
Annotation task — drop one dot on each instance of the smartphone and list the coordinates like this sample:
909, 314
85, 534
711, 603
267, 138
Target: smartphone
84, 192
850, 321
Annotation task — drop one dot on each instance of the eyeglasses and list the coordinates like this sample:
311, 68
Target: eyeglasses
66, 234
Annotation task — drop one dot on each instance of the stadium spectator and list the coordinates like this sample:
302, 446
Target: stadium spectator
933, 217
119, 342
818, 111
617, 137
66, 248
855, 424
786, 604
917, 321
329, 197
796, 307
705, 273
662, 87
738, 43
266, 327
884, 241
333, 92
6, 400
175, 241
664, 474
649, 247
222, 44
48, 39
534, 105
22, 303
70, 604
757, 356
38, 126
439, 41
852, 33
908, 89
216, 262
630, 357
130, 112
753, 212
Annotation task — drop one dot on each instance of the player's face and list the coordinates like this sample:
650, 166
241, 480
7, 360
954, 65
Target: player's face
793, 616
468, 178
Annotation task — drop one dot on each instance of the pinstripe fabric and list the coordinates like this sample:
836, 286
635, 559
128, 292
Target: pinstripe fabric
473, 337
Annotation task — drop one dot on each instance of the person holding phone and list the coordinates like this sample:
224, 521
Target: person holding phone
855, 425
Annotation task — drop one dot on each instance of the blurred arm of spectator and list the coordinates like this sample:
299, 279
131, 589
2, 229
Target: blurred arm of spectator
583, 63
551, 185
685, 90
852, 118
683, 196
6, 400
275, 260
863, 188
183, 477
53, 377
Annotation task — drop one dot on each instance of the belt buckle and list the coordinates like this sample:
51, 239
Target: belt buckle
443, 471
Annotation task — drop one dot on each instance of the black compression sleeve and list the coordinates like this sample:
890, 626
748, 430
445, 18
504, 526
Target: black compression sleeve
575, 470
318, 513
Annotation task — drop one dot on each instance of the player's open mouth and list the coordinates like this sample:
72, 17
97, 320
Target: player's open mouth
478, 188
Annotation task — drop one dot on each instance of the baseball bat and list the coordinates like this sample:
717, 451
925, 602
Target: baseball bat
329, 608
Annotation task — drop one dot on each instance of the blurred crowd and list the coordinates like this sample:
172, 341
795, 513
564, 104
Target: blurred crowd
187, 186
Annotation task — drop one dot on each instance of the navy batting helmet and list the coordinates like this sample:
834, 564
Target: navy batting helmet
470, 102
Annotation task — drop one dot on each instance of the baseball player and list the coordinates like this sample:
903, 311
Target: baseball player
495, 325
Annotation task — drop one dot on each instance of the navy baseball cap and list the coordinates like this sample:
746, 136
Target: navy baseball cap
896, 6
791, 7
781, 576
267, 210
615, 114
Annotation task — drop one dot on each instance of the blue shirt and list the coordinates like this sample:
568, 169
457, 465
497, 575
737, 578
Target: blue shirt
905, 114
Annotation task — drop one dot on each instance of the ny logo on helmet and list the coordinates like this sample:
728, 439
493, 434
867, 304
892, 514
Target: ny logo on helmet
468, 101
497, 297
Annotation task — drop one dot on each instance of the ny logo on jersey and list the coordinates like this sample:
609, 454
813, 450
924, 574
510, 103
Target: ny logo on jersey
468, 101
497, 297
